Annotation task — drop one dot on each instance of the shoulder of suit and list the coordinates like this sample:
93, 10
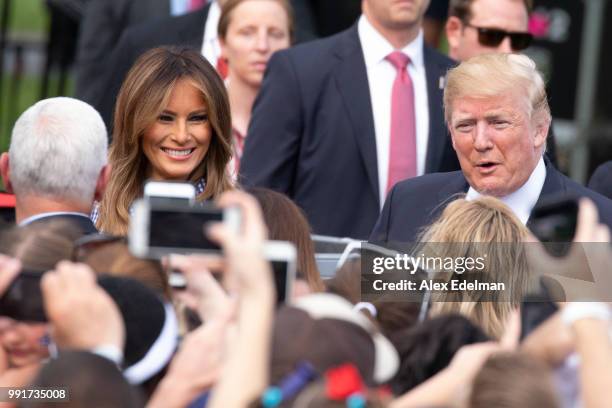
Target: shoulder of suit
166, 26
320, 46
578, 189
431, 181
439, 58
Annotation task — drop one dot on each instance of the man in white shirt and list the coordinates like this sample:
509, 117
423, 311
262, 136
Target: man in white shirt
338, 121
57, 163
497, 112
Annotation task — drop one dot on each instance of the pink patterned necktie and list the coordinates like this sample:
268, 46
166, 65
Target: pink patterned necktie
402, 147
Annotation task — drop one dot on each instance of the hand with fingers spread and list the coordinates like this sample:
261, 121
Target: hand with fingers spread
83, 315
9, 269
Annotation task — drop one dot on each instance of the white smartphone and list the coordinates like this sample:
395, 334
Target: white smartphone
170, 190
282, 256
161, 228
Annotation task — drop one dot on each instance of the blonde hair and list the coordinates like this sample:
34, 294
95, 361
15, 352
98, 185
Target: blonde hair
490, 75
488, 229
143, 95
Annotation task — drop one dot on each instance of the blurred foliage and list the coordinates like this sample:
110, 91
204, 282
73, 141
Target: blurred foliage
28, 16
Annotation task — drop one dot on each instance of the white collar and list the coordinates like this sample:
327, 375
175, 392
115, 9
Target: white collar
36, 217
376, 47
522, 201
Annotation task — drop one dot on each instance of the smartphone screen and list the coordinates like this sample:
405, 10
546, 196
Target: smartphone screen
23, 300
177, 229
281, 273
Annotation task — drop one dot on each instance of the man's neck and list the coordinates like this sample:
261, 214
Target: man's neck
397, 38
26, 207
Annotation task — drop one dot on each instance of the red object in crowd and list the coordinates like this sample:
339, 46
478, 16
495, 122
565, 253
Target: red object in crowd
222, 67
7, 200
342, 381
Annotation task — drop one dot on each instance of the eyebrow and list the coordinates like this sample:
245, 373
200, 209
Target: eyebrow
169, 112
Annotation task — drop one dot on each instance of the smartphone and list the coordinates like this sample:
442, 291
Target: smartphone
23, 300
554, 223
169, 192
159, 228
282, 256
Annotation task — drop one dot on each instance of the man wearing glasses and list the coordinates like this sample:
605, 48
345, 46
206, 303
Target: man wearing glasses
477, 27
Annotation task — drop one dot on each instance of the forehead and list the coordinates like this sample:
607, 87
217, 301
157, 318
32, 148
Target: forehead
510, 15
258, 11
510, 105
185, 93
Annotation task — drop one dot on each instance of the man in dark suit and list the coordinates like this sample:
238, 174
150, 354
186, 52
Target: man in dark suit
101, 27
197, 29
322, 129
498, 116
57, 163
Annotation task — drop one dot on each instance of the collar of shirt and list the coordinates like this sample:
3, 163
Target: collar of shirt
49, 214
376, 47
522, 201
211, 50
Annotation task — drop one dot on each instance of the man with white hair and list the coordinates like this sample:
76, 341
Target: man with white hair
57, 162
496, 109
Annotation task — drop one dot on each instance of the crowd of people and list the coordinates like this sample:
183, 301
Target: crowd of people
368, 134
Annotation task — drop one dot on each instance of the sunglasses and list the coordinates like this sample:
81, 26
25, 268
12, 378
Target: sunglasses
492, 37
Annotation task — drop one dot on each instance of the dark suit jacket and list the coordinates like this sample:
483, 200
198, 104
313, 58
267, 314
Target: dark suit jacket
312, 134
414, 204
601, 180
186, 30
83, 225
103, 23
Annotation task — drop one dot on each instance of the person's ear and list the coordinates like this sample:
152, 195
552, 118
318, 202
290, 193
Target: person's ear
542, 127
223, 47
5, 171
454, 31
103, 179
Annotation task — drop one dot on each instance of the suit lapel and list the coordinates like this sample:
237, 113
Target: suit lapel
352, 80
456, 185
435, 75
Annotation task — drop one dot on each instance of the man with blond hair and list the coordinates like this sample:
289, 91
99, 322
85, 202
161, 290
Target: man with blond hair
496, 109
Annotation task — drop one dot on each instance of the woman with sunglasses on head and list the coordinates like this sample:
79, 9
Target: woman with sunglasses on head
172, 122
250, 31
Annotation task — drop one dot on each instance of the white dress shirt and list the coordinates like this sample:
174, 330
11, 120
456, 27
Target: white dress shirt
522, 201
381, 75
211, 50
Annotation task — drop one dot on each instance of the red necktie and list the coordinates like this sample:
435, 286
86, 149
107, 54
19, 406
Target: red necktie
402, 146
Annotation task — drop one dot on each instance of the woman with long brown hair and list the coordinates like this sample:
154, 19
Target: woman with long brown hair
172, 122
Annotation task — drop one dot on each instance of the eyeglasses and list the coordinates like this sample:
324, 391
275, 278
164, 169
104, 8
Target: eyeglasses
492, 37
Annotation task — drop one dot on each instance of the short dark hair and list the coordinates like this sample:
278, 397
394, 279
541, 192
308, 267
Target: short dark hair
462, 9
91, 381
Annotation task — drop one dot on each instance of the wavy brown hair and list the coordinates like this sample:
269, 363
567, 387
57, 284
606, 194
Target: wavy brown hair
143, 95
